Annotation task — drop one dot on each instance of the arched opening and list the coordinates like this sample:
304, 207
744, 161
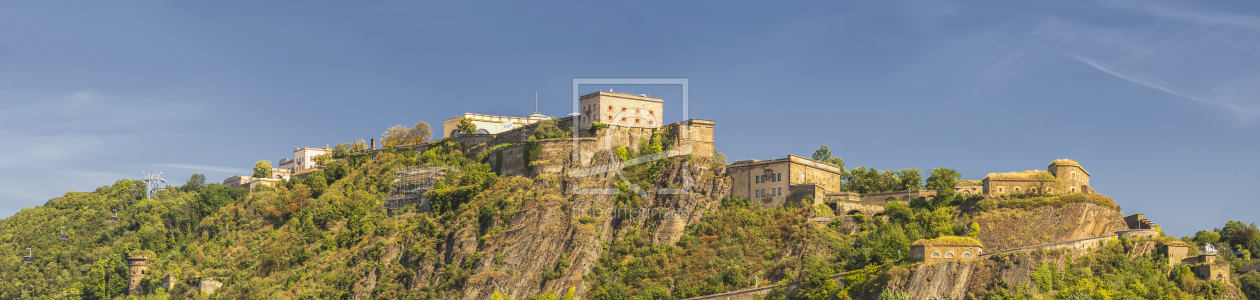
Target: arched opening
966, 193
853, 212
949, 254
966, 254
905, 198
482, 131
1073, 189
890, 199
936, 255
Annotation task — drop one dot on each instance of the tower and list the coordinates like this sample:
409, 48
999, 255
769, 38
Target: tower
1072, 177
139, 269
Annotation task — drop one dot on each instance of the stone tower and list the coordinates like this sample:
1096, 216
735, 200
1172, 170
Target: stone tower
139, 269
1071, 175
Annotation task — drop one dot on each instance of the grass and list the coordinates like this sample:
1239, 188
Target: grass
949, 241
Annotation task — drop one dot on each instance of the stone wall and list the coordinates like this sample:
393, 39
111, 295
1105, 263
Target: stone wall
903, 196
801, 192
805, 170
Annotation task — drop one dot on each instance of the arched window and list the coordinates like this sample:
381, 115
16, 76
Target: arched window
482, 131
966, 193
936, 255
966, 254
1073, 189
949, 254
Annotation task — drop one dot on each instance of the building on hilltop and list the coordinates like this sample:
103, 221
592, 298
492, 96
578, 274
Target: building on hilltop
304, 158
946, 248
1062, 176
773, 182
620, 109
488, 124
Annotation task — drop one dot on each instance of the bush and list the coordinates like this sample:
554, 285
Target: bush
596, 127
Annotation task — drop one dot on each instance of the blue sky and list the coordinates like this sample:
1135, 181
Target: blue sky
1160, 101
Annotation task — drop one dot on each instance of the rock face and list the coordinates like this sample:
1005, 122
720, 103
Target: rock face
1003, 229
560, 224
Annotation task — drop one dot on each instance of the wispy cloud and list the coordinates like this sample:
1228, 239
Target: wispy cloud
1247, 112
208, 168
1204, 18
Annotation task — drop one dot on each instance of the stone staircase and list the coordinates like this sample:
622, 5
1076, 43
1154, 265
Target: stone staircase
1138, 221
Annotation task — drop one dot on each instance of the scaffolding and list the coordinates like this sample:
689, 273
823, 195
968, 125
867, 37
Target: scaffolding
410, 185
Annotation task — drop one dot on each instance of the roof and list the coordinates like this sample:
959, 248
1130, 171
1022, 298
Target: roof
1065, 162
622, 95
1176, 243
949, 241
967, 183
1024, 175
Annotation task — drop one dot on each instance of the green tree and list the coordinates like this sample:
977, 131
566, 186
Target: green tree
910, 179
262, 169
891, 294
403, 136
106, 279
466, 126
817, 284
547, 129
1203, 237
943, 180
823, 155
195, 182
1250, 284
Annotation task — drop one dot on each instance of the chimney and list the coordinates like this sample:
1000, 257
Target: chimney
373, 143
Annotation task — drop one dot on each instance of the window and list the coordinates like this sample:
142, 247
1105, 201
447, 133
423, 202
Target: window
636, 121
637, 112
623, 120
1017, 189
966, 254
949, 254
1073, 175
780, 177
966, 193
1073, 189
610, 108
999, 190
623, 109
758, 179
651, 113
936, 255
610, 118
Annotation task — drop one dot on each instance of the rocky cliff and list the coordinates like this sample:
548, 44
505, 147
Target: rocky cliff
560, 228
1005, 228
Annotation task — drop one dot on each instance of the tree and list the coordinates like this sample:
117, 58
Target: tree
817, 284
943, 180
402, 136
910, 179
1204, 237
466, 126
1250, 284
106, 279
262, 169
358, 145
547, 129
1045, 182
823, 155
195, 182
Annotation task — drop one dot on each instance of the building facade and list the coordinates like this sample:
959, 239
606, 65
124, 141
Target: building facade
946, 249
1062, 176
620, 109
488, 124
304, 158
770, 182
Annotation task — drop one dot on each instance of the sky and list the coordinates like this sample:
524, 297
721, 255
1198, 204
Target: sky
1159, 101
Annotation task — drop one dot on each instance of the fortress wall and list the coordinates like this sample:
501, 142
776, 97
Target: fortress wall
809, 171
